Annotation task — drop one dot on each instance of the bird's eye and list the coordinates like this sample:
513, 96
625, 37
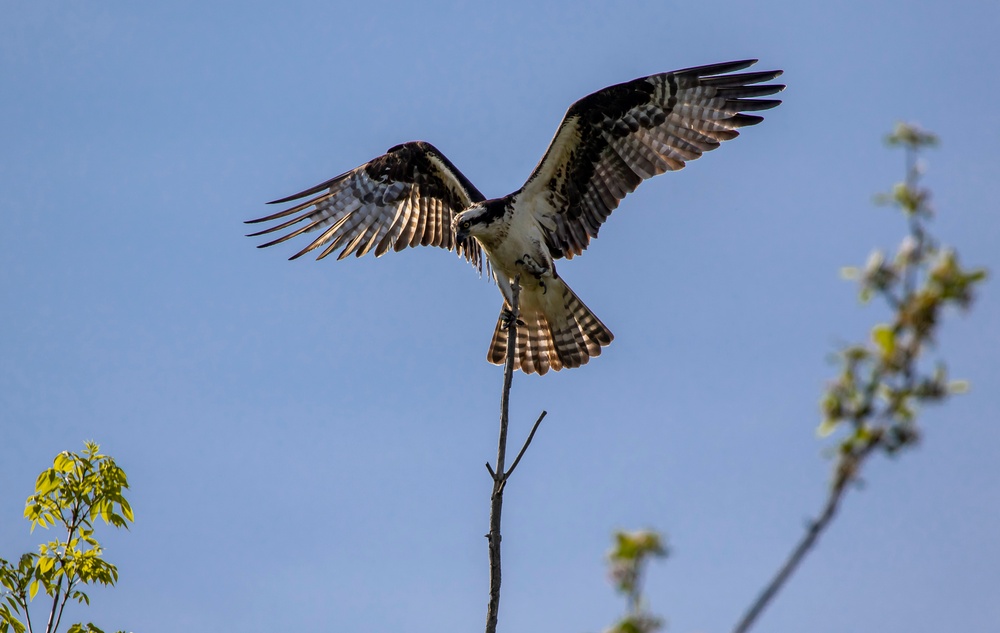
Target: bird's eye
466, 224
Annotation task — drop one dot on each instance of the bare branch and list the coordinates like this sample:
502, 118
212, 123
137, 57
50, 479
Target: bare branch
846, 473
55, 614
791, 564
499, 476
55, 605
61, 607
27, 615
526, 443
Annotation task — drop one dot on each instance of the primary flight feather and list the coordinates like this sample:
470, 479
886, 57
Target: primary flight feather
608, 142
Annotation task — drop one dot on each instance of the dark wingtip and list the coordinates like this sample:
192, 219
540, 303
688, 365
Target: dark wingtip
745, 120
289, 198
307, 192
718, 69
266, 218
311, 190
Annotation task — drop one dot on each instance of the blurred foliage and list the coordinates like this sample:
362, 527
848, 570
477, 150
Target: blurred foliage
627, 563
882, 382
78, 489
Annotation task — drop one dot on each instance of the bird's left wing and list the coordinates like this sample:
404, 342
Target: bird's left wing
406, 197
612, 140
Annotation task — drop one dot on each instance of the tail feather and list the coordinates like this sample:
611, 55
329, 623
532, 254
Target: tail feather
554, 330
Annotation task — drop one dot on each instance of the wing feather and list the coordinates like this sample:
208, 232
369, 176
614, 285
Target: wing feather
395, 226
612, 140
409, 223
406, 197
321, 239
420, 224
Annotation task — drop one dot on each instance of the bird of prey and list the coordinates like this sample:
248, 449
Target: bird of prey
608, 142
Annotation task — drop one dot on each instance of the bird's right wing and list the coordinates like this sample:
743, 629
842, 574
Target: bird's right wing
406, 197
613, 139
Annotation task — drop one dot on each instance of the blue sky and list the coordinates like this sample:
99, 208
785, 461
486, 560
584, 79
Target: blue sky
306, 440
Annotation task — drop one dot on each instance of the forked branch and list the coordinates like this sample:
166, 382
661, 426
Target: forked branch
500, 475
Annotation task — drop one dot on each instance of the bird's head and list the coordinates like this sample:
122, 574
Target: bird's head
479, 220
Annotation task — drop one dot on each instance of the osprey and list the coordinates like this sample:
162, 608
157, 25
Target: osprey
608, 142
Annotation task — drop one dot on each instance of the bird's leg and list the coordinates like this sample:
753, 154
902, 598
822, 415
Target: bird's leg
507, 318
533, 268
530, 266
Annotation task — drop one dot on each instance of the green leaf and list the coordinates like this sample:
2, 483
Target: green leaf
911, 136
48, 480
63, 462
631, 545
45, 564
977, 275
33, 589
127, 510
8, 621
958, 386
885, 338
827, 427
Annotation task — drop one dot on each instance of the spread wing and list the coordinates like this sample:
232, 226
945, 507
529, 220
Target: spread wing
612, 140
406, 197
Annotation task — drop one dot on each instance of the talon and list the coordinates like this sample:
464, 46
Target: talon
529, 265
506, 318
545, 289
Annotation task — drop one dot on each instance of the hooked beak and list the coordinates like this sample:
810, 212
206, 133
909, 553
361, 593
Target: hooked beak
461, 234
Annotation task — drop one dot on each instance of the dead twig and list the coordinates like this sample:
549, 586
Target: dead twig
500, 475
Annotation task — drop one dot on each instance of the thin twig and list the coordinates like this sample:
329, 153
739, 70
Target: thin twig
500, 476
62, 606
52, 623
27, 615
526, 443
55, 605
496, 499
845, 474
808, 540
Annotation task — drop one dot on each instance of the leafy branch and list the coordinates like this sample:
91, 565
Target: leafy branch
77, 490
883, 382
627, 561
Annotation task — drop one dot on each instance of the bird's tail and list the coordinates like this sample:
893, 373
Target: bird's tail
554, 330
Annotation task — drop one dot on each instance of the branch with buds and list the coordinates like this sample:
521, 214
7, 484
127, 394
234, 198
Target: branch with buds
883, 382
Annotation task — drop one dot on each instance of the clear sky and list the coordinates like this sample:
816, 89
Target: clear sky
306, 440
